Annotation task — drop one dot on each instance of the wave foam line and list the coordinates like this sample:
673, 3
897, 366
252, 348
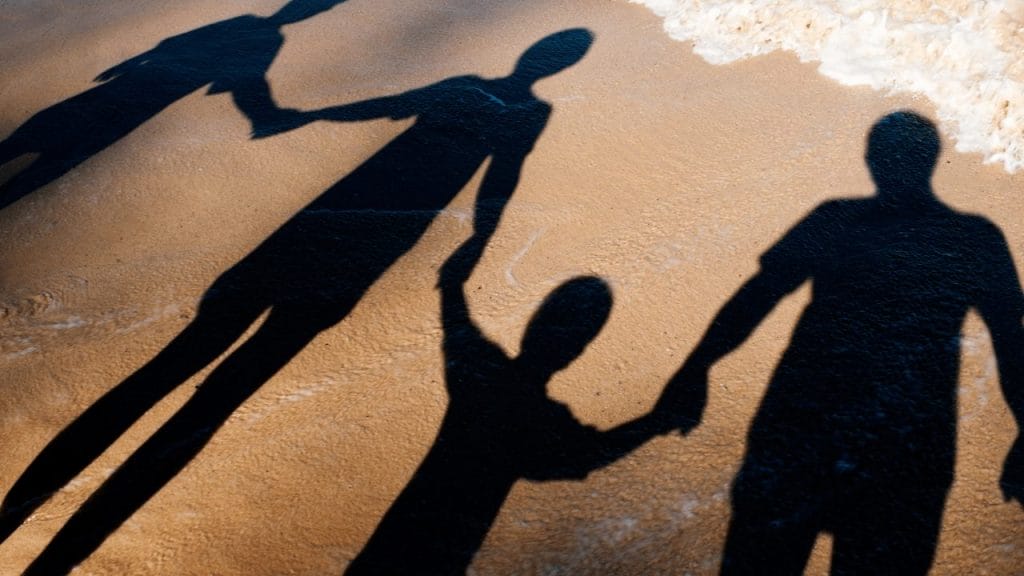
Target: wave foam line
967, 57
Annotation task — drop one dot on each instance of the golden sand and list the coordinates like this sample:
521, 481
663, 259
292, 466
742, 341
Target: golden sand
664, 175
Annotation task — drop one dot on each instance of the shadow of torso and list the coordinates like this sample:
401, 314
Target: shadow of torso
309, 274
229, 56
859, 419
326, 256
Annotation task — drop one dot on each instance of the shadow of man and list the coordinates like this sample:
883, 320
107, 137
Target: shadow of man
856, 433
309, 274
500, 427
231, 56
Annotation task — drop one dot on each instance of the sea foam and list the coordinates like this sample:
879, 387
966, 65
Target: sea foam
966, 56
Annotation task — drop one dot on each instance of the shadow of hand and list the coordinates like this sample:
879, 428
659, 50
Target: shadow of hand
285, 120
458, 267
1012, 480
682, 403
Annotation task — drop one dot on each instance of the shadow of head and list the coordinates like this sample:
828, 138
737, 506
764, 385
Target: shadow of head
554, 53
568, 320
298, 10
902, 150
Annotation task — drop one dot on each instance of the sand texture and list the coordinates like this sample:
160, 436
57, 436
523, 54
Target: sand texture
247, 389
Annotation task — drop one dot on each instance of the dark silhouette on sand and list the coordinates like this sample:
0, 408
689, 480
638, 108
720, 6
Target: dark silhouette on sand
310, 273
856, 433
229, 56
500, 427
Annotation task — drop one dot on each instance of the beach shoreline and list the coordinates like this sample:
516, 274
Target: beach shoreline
663, 175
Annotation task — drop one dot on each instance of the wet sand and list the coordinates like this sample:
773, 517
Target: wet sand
663, 175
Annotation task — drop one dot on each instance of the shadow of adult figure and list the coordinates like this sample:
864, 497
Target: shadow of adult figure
856, 433
500, 426
309, 274
230, 56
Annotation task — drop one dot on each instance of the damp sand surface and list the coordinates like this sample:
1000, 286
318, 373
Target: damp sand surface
664, 175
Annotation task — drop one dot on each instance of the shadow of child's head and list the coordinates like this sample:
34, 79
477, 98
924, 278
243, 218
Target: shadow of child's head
568, 320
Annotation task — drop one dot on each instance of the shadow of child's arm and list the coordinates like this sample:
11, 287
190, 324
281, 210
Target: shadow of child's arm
577, 450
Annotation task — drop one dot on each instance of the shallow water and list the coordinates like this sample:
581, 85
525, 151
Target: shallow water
966, 57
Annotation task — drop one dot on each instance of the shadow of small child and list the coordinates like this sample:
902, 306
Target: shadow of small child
500, 427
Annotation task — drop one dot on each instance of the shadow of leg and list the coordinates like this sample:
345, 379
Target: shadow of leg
759, 546
82, 441
10, 149
892, 533
770, 532
39, 173
171, 448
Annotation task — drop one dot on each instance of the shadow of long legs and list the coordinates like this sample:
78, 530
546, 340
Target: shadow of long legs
310, 273
888, 529
171, 448
893, 530
9, 150
49, 165
75, 447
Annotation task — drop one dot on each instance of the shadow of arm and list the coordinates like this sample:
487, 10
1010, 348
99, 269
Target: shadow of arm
123, 68
1002, 308
466, 349
499, 182
252, 96
784, 267
575, 450
685, 395
396, 107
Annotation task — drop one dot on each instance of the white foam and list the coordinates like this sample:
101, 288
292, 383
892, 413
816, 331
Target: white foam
965, 56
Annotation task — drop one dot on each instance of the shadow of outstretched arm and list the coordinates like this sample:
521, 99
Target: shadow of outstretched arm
395, 107
576, 450
123, 68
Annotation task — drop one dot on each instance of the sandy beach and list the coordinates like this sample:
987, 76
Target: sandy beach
663, 175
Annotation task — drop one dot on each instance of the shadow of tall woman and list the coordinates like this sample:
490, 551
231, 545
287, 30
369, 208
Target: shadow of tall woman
500, 427
309, 274
856, 433
230, 56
